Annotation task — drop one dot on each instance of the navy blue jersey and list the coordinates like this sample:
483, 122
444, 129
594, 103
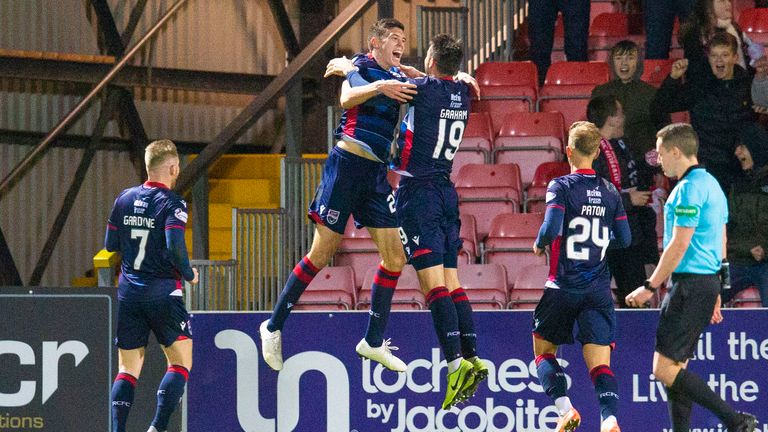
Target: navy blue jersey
592, 214
431, 132
140, 218
372, 124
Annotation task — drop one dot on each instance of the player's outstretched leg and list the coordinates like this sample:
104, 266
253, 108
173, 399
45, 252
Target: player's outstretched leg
169, 395
373, 346
271, 331
460, 372
607, 395
122, 399
552, 379
468, 340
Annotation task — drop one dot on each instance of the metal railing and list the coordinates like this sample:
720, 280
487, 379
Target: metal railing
216, 288
431, 20
488, 28
299, 180
258, 245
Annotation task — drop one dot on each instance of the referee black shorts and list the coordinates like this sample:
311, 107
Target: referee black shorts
685, 313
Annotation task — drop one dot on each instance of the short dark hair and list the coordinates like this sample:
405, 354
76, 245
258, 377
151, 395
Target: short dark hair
600, 108
447, 53
381, 29
681, 136
624, 47
725, 39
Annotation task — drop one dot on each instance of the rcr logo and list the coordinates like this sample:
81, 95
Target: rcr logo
52, 354
247, 372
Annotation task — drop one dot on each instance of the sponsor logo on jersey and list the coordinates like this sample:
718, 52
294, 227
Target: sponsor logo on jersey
333, 216
550, 196
686, 211
416, 239
181, 215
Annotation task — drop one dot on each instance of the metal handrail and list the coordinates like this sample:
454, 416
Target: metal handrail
32, 157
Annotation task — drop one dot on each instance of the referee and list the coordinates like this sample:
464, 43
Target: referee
694, 247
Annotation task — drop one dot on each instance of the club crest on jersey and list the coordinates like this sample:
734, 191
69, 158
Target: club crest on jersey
333, 216
180, 215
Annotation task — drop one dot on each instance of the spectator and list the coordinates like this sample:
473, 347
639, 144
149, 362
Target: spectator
635, 97
542, 15
615, 164
659, 21
720, 106
707, 18
748, 225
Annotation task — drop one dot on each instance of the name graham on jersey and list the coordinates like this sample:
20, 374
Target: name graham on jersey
454, 114
139, 221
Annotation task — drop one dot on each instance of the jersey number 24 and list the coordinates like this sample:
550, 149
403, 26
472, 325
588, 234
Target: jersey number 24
586, 230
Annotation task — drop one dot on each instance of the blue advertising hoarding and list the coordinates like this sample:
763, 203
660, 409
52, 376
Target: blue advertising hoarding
324, 386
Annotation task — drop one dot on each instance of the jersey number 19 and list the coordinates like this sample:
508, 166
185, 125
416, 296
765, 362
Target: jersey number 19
455, 132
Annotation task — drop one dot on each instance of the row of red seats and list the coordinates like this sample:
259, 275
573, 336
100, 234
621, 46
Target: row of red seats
486, 285
526, 138
508, 243
513, 87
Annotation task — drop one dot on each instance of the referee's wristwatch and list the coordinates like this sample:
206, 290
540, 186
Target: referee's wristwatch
647, 285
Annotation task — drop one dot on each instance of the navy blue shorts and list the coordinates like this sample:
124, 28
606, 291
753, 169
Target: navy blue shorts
353, 185
559, 310
167, 318
428, 214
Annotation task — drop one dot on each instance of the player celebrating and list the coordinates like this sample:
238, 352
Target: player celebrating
584, 212
354, 183
147, 227
428, 211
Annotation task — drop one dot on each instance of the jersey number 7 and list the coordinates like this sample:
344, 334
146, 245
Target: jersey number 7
142, 235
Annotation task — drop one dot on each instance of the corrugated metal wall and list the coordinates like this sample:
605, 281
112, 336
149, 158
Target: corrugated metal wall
213, 35
216, 35
28, 211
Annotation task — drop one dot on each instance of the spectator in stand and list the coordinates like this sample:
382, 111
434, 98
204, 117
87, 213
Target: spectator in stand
748, 225
635, 97
720, 105
542, 15
659, 21
707, 18
616, 165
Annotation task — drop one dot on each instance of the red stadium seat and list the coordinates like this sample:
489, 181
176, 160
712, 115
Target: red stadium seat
332, 289
485, 284
357, 250
468, 236
506, 87
605, 31
408, 294
529, 139
747, 298
655, 71
568, 88
510, 241
534, 199
487, 190
529, 287
754, 22
476, 144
